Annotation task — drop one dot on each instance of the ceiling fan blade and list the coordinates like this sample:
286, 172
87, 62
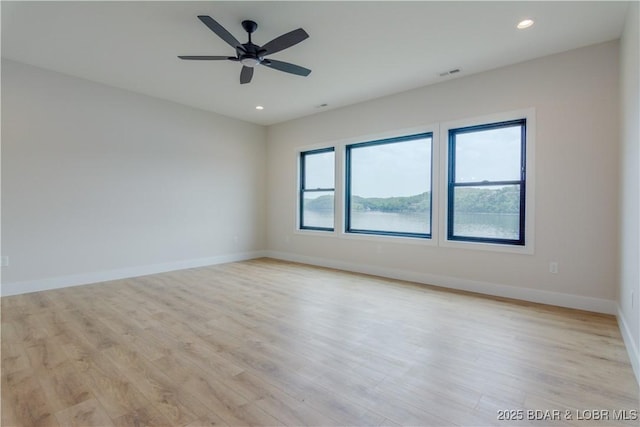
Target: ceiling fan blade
220, 31
246, 74
284, 41
286, 67
207, 58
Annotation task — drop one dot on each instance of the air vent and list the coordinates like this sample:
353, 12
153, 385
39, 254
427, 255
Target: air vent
450, 72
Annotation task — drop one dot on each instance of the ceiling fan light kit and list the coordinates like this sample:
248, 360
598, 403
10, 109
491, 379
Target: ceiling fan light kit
251, 55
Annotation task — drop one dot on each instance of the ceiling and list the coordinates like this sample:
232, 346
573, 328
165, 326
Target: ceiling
357, 50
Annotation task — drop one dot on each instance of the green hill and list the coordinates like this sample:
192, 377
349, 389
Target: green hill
468, 199
417, 203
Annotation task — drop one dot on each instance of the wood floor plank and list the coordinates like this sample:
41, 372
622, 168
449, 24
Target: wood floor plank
8, 417
165, 396
292, 412
288, 409
29, 406
45, 354
14, 357
115, 392
143, 417
64, 386
266, 342
87, 413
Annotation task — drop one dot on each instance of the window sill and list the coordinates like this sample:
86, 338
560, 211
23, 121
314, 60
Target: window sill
383, 238
318, 233
527, 249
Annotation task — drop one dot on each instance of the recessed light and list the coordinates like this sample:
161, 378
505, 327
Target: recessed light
525, 23
259, 107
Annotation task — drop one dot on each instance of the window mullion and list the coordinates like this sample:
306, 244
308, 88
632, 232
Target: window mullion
311, 190
487, 183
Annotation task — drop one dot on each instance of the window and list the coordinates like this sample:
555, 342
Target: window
388, 186
467, 183
317, 189
486, 183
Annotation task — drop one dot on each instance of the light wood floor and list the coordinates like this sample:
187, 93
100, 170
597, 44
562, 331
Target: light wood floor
265, 342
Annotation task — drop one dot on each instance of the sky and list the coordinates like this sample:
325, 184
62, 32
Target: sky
398, 169
492, 155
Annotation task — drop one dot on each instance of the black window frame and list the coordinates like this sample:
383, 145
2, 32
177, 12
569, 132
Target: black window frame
303, 189
452, 185
347, 202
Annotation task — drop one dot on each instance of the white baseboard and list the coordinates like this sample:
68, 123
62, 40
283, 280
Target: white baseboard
534, 295
629, 342
597, 305
15, 288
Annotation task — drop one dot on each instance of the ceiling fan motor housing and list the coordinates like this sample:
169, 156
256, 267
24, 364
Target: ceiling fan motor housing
251, 56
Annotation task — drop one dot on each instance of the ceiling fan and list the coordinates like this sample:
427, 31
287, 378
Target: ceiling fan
251, 55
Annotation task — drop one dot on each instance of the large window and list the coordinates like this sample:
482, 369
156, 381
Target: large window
486, 183
466, 183
317, 175
388, 186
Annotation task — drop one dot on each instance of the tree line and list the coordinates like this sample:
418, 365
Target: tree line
467, 199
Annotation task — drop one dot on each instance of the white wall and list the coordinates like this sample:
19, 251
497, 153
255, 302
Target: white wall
99, 182
629, 315
575, 96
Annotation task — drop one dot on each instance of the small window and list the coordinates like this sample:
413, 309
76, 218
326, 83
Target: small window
388, 184
317, 175
486, 185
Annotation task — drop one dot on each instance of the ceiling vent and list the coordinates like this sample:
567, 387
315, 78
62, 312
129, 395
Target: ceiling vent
450, 72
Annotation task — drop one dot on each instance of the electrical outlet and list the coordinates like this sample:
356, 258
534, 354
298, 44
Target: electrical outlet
4, 261
553, 267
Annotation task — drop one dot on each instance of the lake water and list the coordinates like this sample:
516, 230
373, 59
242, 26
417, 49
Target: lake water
502, 226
